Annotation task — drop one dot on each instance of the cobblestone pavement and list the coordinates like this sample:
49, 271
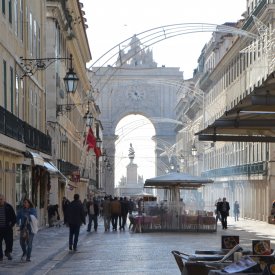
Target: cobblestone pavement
123, 252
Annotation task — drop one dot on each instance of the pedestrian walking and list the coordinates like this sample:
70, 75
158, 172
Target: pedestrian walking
106, 212
236, 210
65, 204
85, 207
131, 206
224, 208
24, 218
53, 214
217, 212
7, 222
93, 212
124, 213
115, 212
76, 217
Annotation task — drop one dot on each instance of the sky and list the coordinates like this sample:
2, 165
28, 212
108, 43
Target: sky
111, 22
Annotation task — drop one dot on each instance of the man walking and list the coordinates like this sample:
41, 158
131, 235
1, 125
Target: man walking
76, 217
106, 212
223, 207
115, 212
217, 212
65, 204
7, 221
93, 212
124, 213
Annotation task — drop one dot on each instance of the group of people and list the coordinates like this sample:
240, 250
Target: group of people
26, 219
115, 211
222, 211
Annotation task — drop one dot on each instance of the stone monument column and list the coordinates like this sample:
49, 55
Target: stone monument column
132, 175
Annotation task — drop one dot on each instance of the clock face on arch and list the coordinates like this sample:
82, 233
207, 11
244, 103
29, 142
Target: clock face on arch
136, 95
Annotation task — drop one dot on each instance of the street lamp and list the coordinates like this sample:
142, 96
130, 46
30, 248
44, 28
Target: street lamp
181, 158
71, 79
31, 65
194, 150
89, 119
98, 142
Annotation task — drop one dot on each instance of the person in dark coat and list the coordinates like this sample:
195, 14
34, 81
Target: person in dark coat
7, 222
65, 204
124, 212
76, 216
53, 214
223, 207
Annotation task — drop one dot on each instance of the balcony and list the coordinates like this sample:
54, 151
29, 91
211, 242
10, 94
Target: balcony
66, 167
246, 169
14, 127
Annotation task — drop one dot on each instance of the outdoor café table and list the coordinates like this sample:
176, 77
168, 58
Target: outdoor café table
144, 222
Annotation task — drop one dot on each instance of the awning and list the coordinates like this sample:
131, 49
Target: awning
37, 159
176, 179
51, 167
251, 120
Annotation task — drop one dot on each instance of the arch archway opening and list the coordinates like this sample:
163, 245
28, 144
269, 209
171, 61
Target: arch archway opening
135, 131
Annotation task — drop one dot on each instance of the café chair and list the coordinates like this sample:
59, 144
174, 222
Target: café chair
202, 264
180, 257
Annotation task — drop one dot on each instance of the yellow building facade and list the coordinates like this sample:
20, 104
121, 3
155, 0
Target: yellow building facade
42, 156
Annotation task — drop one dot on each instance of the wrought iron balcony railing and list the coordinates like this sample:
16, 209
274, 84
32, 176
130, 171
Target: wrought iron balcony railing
246, 169
14, 127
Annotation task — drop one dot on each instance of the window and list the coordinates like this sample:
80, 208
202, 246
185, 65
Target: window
17, 94
10, 11
21, 19
30, 33
4, 6
15, 7
11, 90
23, 98
34, 39
5, 83
38, 42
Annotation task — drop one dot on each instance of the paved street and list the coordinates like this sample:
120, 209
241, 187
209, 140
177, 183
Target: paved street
123, 252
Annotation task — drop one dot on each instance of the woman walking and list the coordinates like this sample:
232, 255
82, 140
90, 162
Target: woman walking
24, 219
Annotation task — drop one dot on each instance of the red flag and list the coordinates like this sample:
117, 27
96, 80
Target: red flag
91, 140
97, 151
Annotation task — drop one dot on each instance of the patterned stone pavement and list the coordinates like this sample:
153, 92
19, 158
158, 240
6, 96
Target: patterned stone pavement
123, 252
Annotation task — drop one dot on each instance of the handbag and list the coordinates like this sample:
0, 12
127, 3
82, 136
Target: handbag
34, 224
25, 233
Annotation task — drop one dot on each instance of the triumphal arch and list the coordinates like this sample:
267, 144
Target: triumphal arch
135, 84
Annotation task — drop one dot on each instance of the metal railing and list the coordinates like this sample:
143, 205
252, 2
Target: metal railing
66, 167
14, 127
246, 169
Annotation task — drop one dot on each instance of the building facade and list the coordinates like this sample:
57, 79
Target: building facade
42, 155
231, 134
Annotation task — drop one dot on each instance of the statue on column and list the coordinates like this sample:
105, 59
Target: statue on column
131, 154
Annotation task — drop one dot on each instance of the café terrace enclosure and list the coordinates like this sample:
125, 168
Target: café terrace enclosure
173, 215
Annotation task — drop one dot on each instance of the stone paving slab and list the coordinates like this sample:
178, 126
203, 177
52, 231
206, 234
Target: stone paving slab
124, 252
